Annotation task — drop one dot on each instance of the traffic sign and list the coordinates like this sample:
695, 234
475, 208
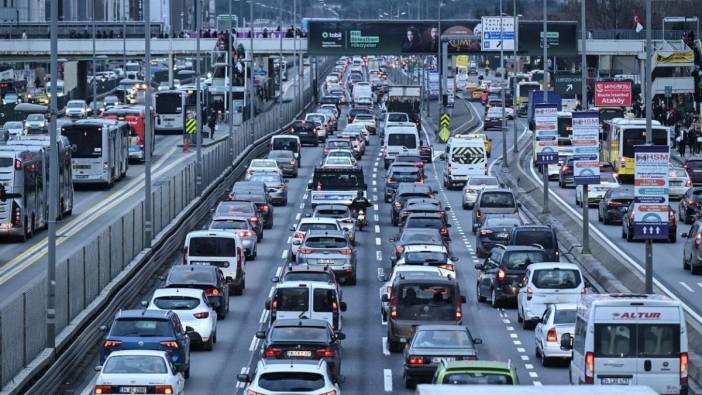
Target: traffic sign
651, 192
444, 131
568, 84
586, 148
190, 126
450, 92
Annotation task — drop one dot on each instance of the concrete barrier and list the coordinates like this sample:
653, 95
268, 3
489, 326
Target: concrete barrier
76, 281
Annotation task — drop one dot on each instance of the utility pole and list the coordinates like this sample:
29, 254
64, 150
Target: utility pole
515, 150
198, 100
280, 62
148, 131
230, 67
439, 69
53, 183
545, 209
505, 162
252, 112
583, 106
92, 21
124, 46
649, 134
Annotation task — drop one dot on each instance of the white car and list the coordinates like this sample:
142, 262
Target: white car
474, 185
77, 109
305, 224
547, 283
426, 255
262, 166
14, 128
193, 309
406, 271
134, 371
274, 376
558, 319
321, 118
342, 153
359, 127
678, 182
35, 121
595, 193
338, 162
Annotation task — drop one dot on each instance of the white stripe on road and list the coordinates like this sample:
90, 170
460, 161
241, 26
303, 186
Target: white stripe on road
377, 229
289, 239
264, 316
510, 328
528, 366
375, 182
386, 351
525, 357
521, 349
297, 216
533, 375
270, 293
687, 287
377, 219
387, 380
284, 254
254, 343
513, 335
517, 342
304, 197
377, 241
302, 205
378, 256
279, 270
537, 383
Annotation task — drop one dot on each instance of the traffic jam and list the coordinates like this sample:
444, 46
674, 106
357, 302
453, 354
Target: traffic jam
361, 255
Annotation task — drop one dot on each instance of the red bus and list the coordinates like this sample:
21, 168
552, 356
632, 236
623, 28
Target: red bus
134, 116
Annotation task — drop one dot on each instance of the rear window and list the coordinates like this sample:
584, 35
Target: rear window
426, 302
694, 164
424, 222
176, 303
281, 154
478, 378
292, 299
398, 118
317, 226
135, 364
299, 333
323, 300
332, 213
637, 340
141, 327
565, 317
425, 257
519, 260
234, 208
544, 238
227, 224
405, 176
408, 140
497, 200
441, 339
291, 381
428, 238
502, 222
192, 276
556, 278
408, 159
212, 246
325, 242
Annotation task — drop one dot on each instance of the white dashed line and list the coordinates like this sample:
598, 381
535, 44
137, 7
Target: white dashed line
284, 254
510, 328
297, 216
289, 239
525, 357
377, 241
528, 366
244, 370
254, 343
279, 271
533, 375
687, 287
386, 352
521, 349
537, 383
513, 336
377, 229
304, 197
264, 317
375, 182
375, 206
376, 218
517, 342
302, 205
378, 256
375, 189
387, 380
506, 321
270, 293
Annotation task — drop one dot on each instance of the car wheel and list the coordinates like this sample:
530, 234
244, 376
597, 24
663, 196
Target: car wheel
560, 184
686, 266
537, 353
545, 361
479, 297
605, 220
519, 316
673, 238
209, 344
493, 299
409, 384
680, 214
688, 219
214, 337
629, 235
394, 346
352, 280
526, 324
186, 373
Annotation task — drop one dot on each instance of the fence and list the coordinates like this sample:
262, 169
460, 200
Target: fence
90, 281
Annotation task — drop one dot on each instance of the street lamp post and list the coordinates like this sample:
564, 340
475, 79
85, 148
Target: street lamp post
583, 106
515, 150
545, 209
92, 19
649, 134
230, 67
251, 54
148, 132
198, 99
124, 45
502, 68
53, 184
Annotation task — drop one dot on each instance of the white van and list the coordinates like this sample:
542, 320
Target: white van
630, 339
400, 138
547, 283
362, 89
218, 248
306, 299
464, 157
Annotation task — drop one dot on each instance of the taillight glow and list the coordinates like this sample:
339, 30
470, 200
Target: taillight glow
345, 251
589, 368
245, 233
111, 343
170, 344
399, 249
530, 293
552, 336
304, 250
501, 275
163, 389
415, 360
213, 292
683, 367
326, 353
201, 315
272, 352
486, 232
103, 389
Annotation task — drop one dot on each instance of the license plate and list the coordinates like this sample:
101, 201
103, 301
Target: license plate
132, 390
439, 359
299, 353
615, 380
502, 235
200, 263
326, 261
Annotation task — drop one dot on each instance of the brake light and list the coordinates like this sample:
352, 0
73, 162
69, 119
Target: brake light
245, 233
692, 202
264, 208
272, 352
590, 368
565, 168
398, 205
390, 181
671, 216
202, 315
17, 214
688, 183
486, 232
249, 171
614, 203
698, 240
393, 307
170, 344
326, 353
415, 360
501, 275
683, 367
444, 231
345, 251
319, 186
552, 336
292, 162
326, 151
18, 164
419, 165
447, 266
111, 343
213, 292
253, 219
530, 293
304, 250
470, 190
163, 389
103, 389
477, 213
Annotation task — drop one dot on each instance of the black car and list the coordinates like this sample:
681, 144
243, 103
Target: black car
205, 277
425, 216
416, 236
355, 111
690, 206
306, 131
694, 170
303, 339
244, 209
628, 224
614, 204
407, 191
503, 271
431, 344
495, 230
543, 236
410, 160
262, 203
397, 175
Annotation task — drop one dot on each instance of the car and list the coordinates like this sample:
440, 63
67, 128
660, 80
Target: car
542, 236
77, 109
694, 170
306, 131
405, 271
596, 192
338, 143
399, 174
690, 205
614, 204
155, 330
426, 216
194, 310
415, 236
11, 98
502, 273
405, 191
276, 186
35, 122
493, 118
136, 371
248, 186
262, 166
286, 162
554, 169
14, 128
308, 273
324, 124
678, 182
306, 299
426, 151
558, 319
410, 160
243, 227
366, 119
342, 153
495, 230
360, 128
474, 185
330, 248
245, 209
110, 101
221, 249
692, 253
204, 277
565, 173
476, 373
493, 201
547, 283
431, 344
303, 339
628, 224
261, 202
426, 255
290, 377
353, 112
306, 224
358, 142
339, 161
339, 212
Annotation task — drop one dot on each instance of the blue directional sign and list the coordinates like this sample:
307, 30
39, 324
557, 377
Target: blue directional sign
650, 209
546, 133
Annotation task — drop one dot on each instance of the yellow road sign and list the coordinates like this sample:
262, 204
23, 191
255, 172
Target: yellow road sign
190, 126
444, 131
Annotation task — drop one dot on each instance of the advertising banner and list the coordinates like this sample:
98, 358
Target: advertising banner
651, 164
450, 92
586, 147
496, 35
612, 93
561, 38
546, 133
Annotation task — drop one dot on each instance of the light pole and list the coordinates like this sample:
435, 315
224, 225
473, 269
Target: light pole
583, 106
545, 209
148, 132
53, 184
198, 99
649, 134
280, 62
230, 67
515, 150
251, 52
502, 68
92, 21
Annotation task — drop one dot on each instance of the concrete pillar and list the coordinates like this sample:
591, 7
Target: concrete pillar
82, 80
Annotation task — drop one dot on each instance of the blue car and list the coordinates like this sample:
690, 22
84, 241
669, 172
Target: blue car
148, 330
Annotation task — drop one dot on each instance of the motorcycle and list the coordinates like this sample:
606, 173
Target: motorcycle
361, 220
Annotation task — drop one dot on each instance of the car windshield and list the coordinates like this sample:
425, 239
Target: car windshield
291, 381
482, 181
519, 260
566, 317
141, 327
13, 125
544, 238
426, 302
292, 299
325, 242
135, 364
556, 278
74, 104
212, 246
607, 177
227, 224
425, 257
485, 378
407, 140
263, 163
441, 339
497, 200
176, 302
35, 117
299, 334
338, 160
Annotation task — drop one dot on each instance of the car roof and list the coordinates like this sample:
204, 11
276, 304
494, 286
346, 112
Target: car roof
317, 220
492, 365
428, 280
511, 248
305, 284
144, 313
565, 306
440, 327
192, 292
330, 233
534, 227
424, 206
308, 322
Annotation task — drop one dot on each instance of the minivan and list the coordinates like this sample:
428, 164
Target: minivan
400, 138
217, 248
306, 299
546, 283
288, 143
542, 236
630, 339
493, 201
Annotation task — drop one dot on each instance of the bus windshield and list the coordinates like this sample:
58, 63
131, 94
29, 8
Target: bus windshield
565, 129
86, 140
637, 136
606, 114
169, 103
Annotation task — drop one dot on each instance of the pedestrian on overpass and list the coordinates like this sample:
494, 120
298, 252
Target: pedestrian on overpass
680, 139
692, 136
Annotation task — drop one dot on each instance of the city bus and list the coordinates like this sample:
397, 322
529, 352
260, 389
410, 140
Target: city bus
170, 111
565, 128
624, 134
100, 150
134, 116
606, 114
523, 89
65, 175
24, 209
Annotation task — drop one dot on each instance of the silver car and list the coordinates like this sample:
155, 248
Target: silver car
276, 186
473, 187
35, 121
678, 182
557, 320
14, 128
332, 249
339, 212
241, 226
286, 161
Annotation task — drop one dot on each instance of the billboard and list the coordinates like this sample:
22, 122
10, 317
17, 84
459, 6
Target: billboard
497, 35
586, 147
612, 93
546, 133
651, 163
372, 37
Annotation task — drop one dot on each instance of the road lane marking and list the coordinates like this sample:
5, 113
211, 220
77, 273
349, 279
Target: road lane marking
378, 256
525, 357
377, 241
289, 239
528, 366
304, 197
302, 205
375, 182
510, 328
687, 287
377, 229
254, 343
387, 380
386, 351
264, 316
537, 383
521, 349
279, 271
297, 216
513, 335
505, 320
533, 375
284, 254
375, 206
270, 293
377, 219
375, 198
517, 342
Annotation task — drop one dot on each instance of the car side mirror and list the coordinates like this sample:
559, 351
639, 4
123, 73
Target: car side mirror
343, 306
144, 304
309, 186
275, 279
243, 378
98, 368
447, 208
684, 235
477, 340
448, 225
479, 266
385, 298
340, 336
463, 299
103, 328
162, 277
566, 342
455, 258
268, 304
291, 228
519, 204
260, 334
340, 379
